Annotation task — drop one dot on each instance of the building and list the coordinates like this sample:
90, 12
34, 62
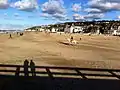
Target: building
93, 27
53, 30
73, 29
67, 29
78, 29
30, 30
116, 32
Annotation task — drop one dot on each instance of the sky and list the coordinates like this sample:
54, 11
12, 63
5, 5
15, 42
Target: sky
20, 14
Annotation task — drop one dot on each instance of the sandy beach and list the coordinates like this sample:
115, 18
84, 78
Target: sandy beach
46, 50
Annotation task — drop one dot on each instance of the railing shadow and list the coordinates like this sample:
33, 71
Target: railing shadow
12, 77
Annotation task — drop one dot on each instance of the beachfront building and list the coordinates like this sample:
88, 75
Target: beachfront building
67, 29
78, 29
40, 29
33, 30
116, 31
30, 30
96, 29
48, 30
93, 27
73, 29
53, 30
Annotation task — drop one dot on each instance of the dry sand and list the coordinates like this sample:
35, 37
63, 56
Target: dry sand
92, 51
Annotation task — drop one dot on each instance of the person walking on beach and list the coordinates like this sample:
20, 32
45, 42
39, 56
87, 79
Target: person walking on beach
17, 33
32, 67
71, 39
10, 36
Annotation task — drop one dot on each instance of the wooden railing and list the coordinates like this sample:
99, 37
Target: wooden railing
51, 71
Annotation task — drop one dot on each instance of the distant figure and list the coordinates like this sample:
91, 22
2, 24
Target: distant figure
21, 34
10, 36
71, 39
89, 34
26, 62
47, 32
80, 38
32, 67
17, 33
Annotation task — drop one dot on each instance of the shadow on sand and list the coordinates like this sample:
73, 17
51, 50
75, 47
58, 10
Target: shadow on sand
14, 78
65, 43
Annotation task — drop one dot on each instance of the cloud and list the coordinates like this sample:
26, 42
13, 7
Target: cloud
92, 10
60, 16
78, 17
26, 5
5, 14
94, 16
46, 15
118, 17
76, 7
105, 5
96, 9
4, 4
54, 8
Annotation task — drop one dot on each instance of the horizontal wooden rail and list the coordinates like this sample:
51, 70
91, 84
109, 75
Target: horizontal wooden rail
65, 68
50, 73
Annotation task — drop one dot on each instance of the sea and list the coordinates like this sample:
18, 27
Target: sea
10, 31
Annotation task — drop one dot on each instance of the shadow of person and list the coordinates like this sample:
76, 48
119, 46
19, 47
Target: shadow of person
32, 67
26, 62
17, 71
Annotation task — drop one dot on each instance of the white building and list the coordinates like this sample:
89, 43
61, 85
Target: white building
41, 29
48, 30
78, 29
98, 31
72, 29
28, 30
53, 30
67, 29
116, 32
33, 30
118, 28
